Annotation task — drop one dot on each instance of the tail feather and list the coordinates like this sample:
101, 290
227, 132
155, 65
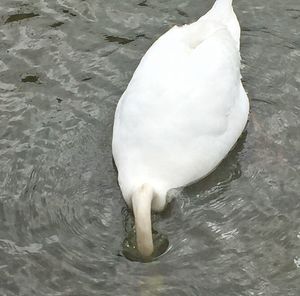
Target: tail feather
221, 9
222, 12
223, 2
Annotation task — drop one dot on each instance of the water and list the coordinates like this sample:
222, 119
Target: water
63, 67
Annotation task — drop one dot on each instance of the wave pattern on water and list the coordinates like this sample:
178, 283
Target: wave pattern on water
63, 66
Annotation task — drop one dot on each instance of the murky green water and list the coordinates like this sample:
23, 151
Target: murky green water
63, 67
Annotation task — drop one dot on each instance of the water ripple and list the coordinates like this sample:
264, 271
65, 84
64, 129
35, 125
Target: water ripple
64, 65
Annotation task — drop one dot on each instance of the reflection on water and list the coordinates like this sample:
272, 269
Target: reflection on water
63, 67
19, 17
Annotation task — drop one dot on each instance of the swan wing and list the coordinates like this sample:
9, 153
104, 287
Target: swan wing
178, 117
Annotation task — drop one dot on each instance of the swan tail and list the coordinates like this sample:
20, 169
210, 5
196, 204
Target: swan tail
141, 203
222, 9
223, 3
222, 12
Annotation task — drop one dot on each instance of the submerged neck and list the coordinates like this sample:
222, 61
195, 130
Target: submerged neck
141, 202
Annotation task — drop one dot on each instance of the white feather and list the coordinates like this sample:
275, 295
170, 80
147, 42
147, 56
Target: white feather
184, 108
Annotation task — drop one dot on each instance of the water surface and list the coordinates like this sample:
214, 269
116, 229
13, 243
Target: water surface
63, 66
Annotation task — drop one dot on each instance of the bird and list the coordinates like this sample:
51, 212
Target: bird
182, 112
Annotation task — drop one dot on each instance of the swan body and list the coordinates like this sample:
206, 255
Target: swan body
182, 112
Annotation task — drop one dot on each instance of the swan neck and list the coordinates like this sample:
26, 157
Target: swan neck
141, 202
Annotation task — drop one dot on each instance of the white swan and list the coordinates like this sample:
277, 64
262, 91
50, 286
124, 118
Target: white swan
182, 112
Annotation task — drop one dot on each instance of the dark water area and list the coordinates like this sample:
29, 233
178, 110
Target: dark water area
63, 66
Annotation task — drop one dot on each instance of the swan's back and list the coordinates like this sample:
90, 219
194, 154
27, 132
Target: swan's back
184, 108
